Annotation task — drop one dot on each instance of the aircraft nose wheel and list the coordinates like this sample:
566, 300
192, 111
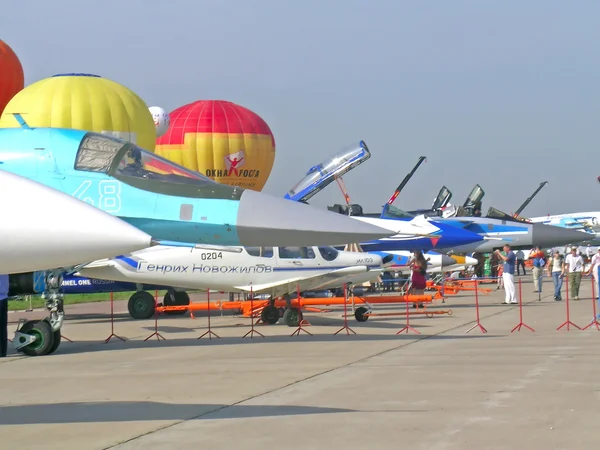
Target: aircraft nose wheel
177, 298
43, 338
141, 305
359, 314
292, 317
270, 314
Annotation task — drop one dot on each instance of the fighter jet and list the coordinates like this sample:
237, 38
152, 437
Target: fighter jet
277, 271
484, 234
172, 204
435, 235
167, 201
79, 233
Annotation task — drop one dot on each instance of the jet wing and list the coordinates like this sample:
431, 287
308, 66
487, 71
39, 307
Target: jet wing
305, 283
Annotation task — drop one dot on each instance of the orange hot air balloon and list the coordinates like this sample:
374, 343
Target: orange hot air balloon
226, 142
11, 74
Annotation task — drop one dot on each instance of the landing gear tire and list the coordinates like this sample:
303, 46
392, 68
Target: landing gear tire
44, 338
292, 317
359, 314
270, 314
141, 305
177, 298
56, 342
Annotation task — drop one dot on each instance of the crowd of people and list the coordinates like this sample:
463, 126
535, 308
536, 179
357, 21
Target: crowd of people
573, 265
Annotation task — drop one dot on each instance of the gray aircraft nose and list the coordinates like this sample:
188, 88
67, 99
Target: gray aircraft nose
448, 261
547, 236
266, 220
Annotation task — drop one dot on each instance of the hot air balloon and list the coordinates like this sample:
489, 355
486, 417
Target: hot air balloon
83, 102
161, 120
226, 142
11, 74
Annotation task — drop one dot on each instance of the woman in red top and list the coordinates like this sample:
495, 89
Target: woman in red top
417, 280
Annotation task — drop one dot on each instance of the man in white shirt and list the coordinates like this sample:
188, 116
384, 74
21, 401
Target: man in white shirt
594, 264
574, 269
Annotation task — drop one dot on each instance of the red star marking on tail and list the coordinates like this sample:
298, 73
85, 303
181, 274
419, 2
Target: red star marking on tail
434, 241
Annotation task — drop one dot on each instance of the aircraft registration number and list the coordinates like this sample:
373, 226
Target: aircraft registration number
364, 261
107, 197
211, 256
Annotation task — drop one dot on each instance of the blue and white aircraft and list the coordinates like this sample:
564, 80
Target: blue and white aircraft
458, 234
440, 235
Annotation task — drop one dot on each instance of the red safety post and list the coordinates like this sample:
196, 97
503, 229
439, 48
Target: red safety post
208, 332
301, 321
112, 321
252, 330
478, 323
595, 320
521, 323
568, 322
345, 327
156, 333
407, 327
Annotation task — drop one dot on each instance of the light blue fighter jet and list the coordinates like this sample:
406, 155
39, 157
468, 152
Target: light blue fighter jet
174, 205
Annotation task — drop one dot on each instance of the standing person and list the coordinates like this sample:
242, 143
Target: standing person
574, 269
556, 268
594, 264
538, 265
3, 315
588, 252
499, 277
418, 281
520, 262
508, 274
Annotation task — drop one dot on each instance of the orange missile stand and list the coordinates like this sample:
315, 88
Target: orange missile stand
254, 308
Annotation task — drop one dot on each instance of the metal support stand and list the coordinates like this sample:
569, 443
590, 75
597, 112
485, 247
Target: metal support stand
478, 323
568, 322
407, 327
156, 333
208, 332
252, 330
345, 327
595, 319
521, 323
112, 321
301, 321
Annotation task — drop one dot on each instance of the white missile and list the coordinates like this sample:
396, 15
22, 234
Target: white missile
43, 229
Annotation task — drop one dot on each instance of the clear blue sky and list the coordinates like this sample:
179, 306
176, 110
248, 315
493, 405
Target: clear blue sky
501, 93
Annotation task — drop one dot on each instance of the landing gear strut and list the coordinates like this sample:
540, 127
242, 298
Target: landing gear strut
42, 337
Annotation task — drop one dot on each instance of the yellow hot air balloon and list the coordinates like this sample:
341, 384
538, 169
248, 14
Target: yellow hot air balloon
226, 142
83, 102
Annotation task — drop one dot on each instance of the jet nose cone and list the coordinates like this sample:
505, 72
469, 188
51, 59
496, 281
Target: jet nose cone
267, 220
550, 236
78, 233
470, 261
448, 261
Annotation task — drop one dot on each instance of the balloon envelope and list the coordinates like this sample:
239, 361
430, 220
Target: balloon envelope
161, 120
226, 142
11, 74
83, 102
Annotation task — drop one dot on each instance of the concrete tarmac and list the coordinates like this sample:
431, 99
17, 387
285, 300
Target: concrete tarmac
441, 389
